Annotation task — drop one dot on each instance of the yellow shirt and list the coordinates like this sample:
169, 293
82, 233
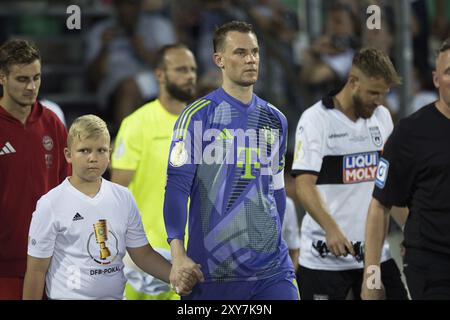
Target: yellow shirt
143, 144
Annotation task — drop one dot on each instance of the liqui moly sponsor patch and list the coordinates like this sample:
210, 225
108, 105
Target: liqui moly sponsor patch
360, 167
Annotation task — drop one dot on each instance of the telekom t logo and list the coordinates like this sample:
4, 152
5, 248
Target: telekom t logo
249, 156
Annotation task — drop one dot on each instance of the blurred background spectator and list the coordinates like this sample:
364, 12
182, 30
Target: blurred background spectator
306, 46
121, 53
327, 62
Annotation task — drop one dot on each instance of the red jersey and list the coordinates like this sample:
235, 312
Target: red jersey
31, 163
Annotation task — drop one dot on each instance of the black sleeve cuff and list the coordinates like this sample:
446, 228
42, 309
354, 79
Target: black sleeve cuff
296, 173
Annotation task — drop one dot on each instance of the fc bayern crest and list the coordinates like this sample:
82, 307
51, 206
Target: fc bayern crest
376, 136
47, 142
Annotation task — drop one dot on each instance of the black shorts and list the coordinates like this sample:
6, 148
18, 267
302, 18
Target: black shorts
427, 274
336, 285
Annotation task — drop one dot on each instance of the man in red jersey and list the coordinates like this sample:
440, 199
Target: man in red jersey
32, 140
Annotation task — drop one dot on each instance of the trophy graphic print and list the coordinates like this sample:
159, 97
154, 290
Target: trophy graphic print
101, 235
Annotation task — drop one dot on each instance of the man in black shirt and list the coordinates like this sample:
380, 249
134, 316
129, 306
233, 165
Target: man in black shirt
414, 172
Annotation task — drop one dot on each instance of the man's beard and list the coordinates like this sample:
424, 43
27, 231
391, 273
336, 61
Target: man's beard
362, 110
180, 94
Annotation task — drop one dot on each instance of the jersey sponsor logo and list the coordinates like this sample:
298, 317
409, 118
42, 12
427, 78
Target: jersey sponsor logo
249, 158
337, 135
360, 167
359, 138
382, 173
47, 142
7, 149
178, 155
376, 136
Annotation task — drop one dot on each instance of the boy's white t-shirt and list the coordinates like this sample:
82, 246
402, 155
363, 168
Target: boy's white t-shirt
62, 227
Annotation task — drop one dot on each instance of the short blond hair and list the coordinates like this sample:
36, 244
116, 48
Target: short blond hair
375, 63
86, 127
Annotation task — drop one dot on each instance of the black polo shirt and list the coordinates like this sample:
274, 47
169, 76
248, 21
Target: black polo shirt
414, 171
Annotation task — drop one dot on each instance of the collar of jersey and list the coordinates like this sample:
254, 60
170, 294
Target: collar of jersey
84, 197
245, 107
327, 100
36, 111
164, 111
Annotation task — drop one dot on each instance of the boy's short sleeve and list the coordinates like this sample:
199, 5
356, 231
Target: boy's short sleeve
135, 236
43, 231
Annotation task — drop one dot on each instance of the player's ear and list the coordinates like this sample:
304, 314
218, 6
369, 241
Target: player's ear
353, 80
435, 79
2, 77
159, 73
67, 155
218, 60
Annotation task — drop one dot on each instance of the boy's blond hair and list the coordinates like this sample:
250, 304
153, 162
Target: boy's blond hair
86, 127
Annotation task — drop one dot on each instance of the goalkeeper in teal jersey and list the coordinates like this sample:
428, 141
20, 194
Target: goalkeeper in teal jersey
227, 156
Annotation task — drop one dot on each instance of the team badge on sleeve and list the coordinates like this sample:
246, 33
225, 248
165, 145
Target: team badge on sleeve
298, 150
178, 155
382, 173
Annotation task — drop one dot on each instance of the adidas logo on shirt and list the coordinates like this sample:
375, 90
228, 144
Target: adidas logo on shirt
77, 217
225, 135
8, 148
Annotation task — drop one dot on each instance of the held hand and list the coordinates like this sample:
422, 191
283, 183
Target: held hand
184, 275
338, 243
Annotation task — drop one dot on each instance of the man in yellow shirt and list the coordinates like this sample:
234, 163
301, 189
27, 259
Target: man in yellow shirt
139, 161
